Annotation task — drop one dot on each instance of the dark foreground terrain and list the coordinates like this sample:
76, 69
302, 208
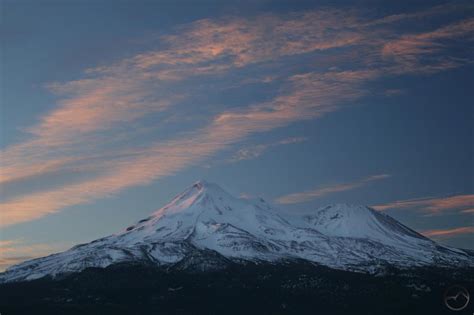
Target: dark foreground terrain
253, 289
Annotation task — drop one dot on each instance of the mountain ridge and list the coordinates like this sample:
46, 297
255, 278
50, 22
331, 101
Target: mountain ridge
205, 226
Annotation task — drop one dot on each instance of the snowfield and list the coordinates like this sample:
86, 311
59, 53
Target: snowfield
205, 226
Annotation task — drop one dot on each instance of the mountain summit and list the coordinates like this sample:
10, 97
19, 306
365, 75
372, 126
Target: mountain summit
205, 228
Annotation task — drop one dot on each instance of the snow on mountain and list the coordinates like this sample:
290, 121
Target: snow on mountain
360, 222
204, 227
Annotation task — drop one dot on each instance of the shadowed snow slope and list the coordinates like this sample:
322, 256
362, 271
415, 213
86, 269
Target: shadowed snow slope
205, 227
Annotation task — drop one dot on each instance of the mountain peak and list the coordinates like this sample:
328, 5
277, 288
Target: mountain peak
206, 219
193, 200
346, 220
197, 191
202, 183
348, 207
201, 199
203, 186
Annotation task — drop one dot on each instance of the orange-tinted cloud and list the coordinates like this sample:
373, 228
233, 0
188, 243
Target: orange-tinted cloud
409, 50
448, 233
253, 152
258, 39
305, 100
96, 111
322, 191
118, 94
16, 251
433, 205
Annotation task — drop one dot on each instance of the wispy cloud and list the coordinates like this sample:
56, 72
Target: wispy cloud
111, 96
99, 124
236, 42
448, 233
255, 151
309, 96
410, 52
309, 195
16, 251
464, 203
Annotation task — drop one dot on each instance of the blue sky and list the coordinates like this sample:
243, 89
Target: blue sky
110, 108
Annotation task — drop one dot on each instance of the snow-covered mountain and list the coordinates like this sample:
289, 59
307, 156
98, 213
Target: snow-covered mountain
205, 228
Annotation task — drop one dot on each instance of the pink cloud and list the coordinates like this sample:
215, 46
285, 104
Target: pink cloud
253, 152
409, 50
448, 233
16, 251
93, 112
309, 195
305, 100
254, 40
432, 205
130, 89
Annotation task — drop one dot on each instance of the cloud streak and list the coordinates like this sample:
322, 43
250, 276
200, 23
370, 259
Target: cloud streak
432, 206
92, 127
305, 100
255, 151
449, 233
408, 50
309, 195
16, 251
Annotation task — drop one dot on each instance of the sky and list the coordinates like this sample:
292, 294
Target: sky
110, 108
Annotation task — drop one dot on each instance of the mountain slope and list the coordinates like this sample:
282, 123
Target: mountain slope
205, 227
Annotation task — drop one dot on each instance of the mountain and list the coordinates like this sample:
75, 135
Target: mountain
205, 228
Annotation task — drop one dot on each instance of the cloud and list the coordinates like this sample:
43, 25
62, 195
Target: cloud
309, 96
253, 152
104, 122
15, 251
443, 9
448, 233
433, 205
128, 90
237, 42
410, 52
322, 191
